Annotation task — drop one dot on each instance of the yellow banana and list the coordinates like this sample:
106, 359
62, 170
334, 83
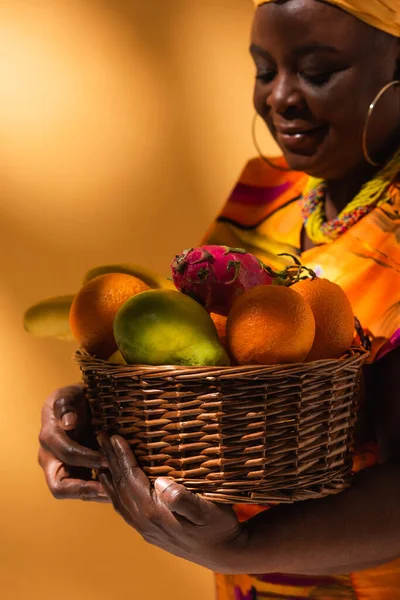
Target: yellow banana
152, 279
50, 318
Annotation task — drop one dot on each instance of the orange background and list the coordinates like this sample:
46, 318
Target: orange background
123, 127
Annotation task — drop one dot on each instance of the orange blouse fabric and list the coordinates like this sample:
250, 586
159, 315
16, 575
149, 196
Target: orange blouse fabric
263, 216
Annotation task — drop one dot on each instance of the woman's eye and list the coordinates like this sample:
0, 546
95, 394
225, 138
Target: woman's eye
265, 76
318, 78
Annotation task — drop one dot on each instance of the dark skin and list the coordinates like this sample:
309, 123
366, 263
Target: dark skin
327, 76
359, 528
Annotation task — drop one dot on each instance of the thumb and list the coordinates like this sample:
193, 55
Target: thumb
70, 407
180, 501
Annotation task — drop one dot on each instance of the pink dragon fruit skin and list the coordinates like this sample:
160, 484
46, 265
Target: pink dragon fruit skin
216, 276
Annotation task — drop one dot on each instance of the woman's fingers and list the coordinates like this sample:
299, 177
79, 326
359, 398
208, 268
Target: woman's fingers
107, 483
62, 486
60, 445
70, 407
182, 502
129, 479
67, 409
133, 487
65, 423
108, 486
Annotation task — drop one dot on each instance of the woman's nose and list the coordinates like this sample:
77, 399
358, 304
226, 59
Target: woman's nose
284, 94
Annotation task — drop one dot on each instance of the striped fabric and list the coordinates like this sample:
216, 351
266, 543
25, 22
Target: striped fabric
263, 216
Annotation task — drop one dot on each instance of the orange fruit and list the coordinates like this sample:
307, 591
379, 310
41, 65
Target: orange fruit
94, 308
334, 319
220, 325
270, 325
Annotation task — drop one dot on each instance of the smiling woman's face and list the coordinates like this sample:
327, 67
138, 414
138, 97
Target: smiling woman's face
318, 70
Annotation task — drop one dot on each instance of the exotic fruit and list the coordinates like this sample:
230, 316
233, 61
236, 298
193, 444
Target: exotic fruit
216, 276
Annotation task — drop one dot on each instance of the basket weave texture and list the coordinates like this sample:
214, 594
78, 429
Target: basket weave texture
251, 434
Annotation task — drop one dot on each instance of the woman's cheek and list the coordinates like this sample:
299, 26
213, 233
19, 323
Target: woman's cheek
260, 99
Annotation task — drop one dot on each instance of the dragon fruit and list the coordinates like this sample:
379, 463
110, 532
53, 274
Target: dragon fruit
216, 276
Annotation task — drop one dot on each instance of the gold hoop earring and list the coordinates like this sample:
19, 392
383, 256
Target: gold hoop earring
370, 111
257, 147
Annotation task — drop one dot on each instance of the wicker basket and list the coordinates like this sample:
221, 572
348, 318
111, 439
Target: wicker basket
250, 434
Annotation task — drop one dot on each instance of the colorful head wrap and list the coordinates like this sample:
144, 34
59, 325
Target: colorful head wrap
381, 14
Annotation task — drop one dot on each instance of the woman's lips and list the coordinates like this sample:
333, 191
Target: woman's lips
301, 140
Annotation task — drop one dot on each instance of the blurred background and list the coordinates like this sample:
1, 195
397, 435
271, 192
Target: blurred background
124, 125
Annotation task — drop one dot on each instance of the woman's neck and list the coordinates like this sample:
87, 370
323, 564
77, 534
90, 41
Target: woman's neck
341, 191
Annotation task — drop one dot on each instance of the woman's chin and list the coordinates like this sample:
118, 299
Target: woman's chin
308, 153
315, 165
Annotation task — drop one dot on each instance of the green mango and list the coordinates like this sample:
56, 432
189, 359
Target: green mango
50, 318
166, 327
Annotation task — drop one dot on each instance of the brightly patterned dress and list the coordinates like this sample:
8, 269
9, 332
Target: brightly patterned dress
263, 215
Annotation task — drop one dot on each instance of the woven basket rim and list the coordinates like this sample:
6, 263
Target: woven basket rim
354, 354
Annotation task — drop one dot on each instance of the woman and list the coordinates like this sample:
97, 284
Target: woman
327, 86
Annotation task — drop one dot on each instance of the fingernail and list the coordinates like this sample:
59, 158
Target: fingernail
68, 421
162, 483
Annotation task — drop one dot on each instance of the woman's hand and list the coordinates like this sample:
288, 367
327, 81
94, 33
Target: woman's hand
66, 463
169, 516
